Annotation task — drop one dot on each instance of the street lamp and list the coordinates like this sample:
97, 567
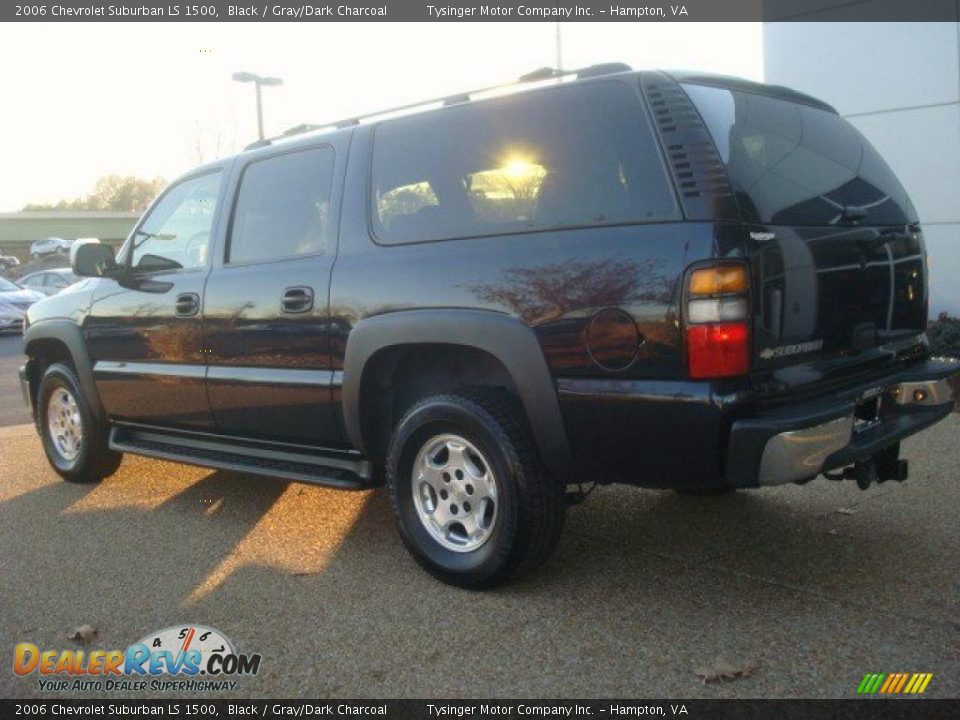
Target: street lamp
259, 82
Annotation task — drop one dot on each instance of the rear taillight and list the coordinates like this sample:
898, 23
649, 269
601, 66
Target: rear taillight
716, 320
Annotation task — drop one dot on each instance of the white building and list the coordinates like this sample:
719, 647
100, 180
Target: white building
899, 83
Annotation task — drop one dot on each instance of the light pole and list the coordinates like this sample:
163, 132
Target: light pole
259, 81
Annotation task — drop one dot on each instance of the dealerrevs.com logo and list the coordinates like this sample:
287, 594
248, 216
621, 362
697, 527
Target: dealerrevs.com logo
190, 658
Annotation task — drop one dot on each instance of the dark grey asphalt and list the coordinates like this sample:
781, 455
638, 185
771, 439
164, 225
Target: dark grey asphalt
12, 409
813, 586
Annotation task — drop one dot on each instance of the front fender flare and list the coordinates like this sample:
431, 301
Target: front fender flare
504, 337
69, 334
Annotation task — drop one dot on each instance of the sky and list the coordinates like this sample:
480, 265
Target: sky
85, 100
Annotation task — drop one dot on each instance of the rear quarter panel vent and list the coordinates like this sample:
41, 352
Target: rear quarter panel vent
698, 172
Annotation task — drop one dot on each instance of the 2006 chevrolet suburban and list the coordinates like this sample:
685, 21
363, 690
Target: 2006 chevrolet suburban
670, 280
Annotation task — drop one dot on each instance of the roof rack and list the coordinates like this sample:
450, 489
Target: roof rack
538, 75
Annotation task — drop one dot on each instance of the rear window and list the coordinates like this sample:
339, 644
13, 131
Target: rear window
793, 164
564, 157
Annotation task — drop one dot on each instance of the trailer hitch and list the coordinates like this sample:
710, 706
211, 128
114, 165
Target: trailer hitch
885, 465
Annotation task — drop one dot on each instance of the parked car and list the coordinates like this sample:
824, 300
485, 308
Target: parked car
14, 301
670, 280
49, 246
49, 282
8, 261
11, 318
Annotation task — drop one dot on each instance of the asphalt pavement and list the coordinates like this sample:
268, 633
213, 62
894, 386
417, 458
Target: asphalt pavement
12, 409
805, 589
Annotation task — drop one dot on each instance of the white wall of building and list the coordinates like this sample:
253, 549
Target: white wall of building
899, 83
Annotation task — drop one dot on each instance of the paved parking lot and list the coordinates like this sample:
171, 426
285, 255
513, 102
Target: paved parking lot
12, 410
813, 586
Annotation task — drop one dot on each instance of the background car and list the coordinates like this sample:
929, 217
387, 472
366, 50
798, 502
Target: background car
50, 246
8, 261
14, 301
11, 318
48, 282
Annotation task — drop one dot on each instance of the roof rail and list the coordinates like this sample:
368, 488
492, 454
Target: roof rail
538, 75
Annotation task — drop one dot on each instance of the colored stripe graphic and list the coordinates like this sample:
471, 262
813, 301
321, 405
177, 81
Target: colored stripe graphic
901, 683
894, 683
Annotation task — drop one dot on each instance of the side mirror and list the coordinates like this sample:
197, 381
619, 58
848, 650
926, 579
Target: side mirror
93, 259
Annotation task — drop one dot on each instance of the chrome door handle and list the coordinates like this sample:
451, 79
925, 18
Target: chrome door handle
188, 304
297, 300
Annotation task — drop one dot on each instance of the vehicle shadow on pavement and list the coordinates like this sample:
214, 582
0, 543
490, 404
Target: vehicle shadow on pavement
654, 579
643, 589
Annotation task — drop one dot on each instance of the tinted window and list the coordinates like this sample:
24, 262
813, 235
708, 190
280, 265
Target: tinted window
59, 281
176, 233
564, 157
34, 281
283, 208
792, 164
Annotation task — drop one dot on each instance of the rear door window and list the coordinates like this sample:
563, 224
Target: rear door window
283, 207
559, 158
794, 164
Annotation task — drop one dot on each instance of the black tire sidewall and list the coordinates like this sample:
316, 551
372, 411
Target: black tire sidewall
455, 416
59, 376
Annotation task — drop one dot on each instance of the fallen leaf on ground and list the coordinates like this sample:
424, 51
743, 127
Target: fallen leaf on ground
85, 634
722, 670
847, 511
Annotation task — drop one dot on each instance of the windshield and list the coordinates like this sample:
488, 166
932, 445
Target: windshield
7, 286
793, 164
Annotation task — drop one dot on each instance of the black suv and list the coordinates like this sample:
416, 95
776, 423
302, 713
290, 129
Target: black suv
669, 280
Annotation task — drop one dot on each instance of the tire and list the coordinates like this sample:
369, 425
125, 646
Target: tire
76, 443
459, 441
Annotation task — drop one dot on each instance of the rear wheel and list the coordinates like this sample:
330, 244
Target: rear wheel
74, 440
472, 502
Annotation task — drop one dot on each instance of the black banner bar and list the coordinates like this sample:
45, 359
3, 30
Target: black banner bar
867, 709
458, 11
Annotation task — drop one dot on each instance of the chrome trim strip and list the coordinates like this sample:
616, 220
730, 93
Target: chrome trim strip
799, 454
110, 367
269, 376
223, 373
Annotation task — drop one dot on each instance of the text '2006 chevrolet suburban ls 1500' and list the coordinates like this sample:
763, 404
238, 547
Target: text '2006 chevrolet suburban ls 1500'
668, 280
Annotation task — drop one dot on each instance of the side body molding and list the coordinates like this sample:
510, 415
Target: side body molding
504, 337
70, 335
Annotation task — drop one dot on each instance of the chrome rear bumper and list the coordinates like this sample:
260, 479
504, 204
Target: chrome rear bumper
799, 442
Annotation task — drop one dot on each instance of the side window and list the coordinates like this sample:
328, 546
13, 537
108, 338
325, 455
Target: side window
559, 158
34, 282
398, 203
176, 234
283, 207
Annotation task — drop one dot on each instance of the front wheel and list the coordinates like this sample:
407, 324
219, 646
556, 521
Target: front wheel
472, 502
74, 440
